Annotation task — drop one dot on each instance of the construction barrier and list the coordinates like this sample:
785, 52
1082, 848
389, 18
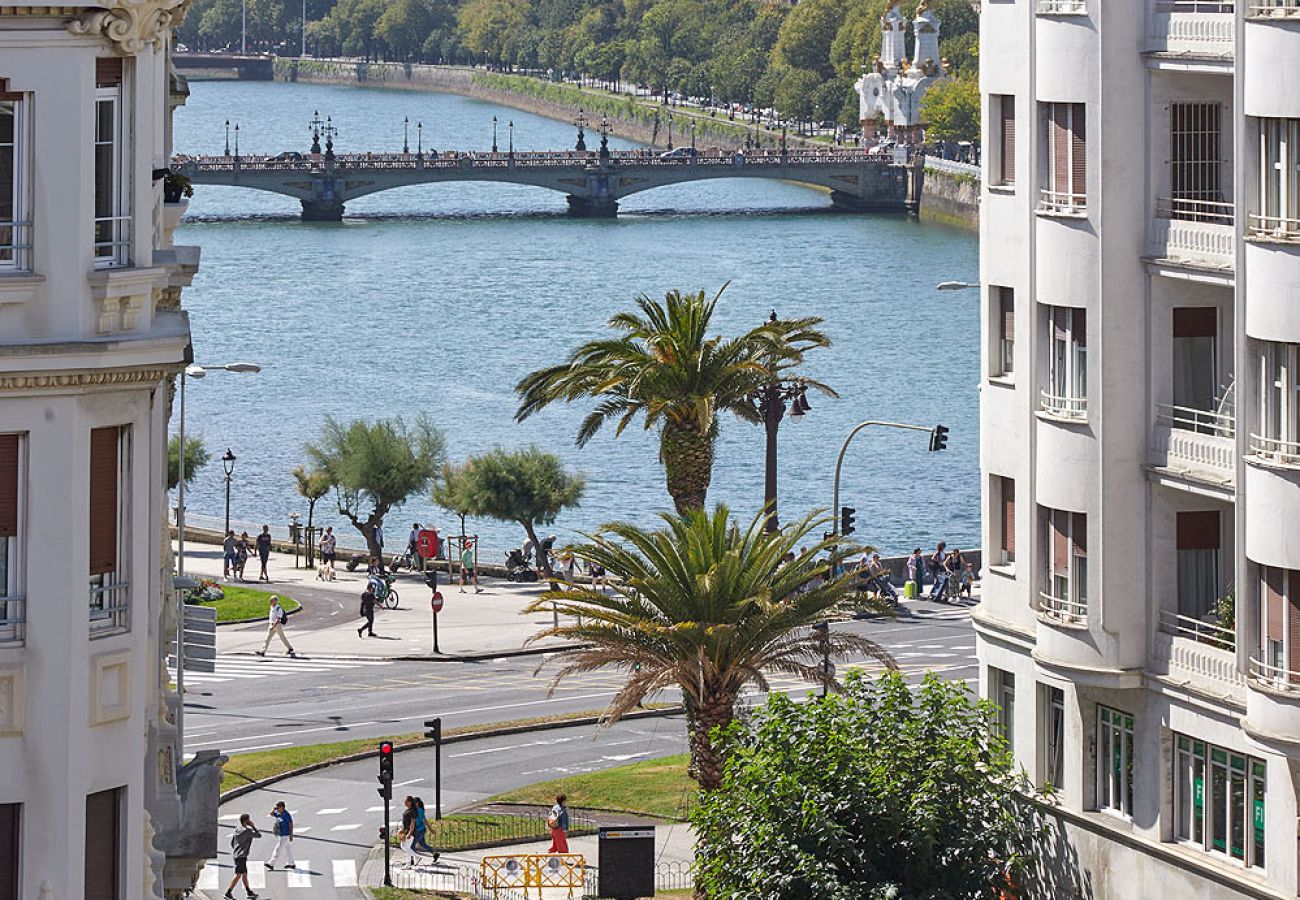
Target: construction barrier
524, 872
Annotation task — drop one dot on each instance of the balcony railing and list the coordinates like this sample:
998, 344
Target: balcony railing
1195, 650
109, 607
1193, 28
1197, 442
1062, 7
1286, 228
12, 619
1069, 612
112, 241
1216, 212
1195, 231
1195, 6
1063, 407
1276, 451
1277, 677
1062, 202
1270, 9
1199, 630
1203, 421
15, 246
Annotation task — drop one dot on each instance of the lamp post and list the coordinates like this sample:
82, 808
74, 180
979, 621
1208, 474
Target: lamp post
670, 131
406, 135
581, 122
771, 405
243, 28
419, 139
692, 136
227, 137
511, 129
494, 134
236, 140
228, 463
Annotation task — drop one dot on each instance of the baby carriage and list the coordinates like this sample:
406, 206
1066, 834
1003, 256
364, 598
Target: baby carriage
517, 568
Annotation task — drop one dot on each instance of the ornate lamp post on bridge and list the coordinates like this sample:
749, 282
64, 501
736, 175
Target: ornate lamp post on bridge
494, 134
604, 140
419, 142
228, 464
236, 141
314, 127
692, 136
581, 122
510, 127
670, 130
406, 135
771, 404
227, 137
329, 131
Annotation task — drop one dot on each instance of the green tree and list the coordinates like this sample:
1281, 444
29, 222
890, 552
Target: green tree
664, 366
375, 466
963, 55
806, 36
708, 608
885, 790
311, 486
527, 486
450, 492
196, 457
951, 111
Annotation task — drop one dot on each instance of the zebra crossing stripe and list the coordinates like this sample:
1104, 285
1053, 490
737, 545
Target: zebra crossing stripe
301, 875
345, 873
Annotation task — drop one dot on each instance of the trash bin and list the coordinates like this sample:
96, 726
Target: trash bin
909, 591
626, 861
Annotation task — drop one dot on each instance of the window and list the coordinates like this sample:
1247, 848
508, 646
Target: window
1004, 490
1114, 760
15, 227
1053, 712
1003, 168
110, 454
112, 207
1279, 440
1196, 357
11, 490
1195, 164
1233, 795
104, 845
1279, 179
1198, 545
1279, 598
1065, 554
1066, 189
9, 846
1002, 693
1066, 394
1004, 318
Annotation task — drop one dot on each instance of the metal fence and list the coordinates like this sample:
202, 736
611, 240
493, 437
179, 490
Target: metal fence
468, 879
502, 829
952, 166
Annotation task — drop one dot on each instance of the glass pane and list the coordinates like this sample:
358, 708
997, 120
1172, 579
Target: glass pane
1198, 581
1237, 815
1218, 805
1257, 813
104, 184
1194, 372
1198, 800
1128, 771
1183, 792
104, 116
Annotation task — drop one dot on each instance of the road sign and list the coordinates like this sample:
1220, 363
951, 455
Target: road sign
436, 601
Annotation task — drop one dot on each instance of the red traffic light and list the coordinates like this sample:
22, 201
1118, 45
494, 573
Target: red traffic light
386, 748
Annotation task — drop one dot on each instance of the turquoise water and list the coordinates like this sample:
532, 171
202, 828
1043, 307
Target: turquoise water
436, 299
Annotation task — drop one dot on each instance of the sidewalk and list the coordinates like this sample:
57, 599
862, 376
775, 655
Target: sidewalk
486, 624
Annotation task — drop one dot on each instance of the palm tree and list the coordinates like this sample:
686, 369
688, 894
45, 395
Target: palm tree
708, 608
665, 366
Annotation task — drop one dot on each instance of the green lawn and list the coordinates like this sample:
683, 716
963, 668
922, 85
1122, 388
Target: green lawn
657, 787
247, 603
473, 831
387, 893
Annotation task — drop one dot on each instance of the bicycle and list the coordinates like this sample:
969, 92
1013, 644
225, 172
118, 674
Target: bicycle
385, 594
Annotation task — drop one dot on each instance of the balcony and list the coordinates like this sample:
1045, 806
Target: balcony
1061, 7
1195, 444
1197, 233
1274, 228
1272, 9
1070, 409
1062, 203
1061, 610
1199, 651
1194, 29
1275, 451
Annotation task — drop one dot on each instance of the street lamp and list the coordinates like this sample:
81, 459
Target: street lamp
670, 131
956, 286
228, 463
771, 406
406, 135
236, 140
511, 128
692, 134
581, 122
494, 134
227, 137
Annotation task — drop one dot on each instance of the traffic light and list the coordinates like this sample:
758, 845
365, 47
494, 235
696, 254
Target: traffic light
846, 520
386, 765
939, 438
434, 731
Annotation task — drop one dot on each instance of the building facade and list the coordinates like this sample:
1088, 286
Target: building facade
1140, 413
93, 802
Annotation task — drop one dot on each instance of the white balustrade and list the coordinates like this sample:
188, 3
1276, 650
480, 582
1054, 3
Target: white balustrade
1200, 28
1199, 232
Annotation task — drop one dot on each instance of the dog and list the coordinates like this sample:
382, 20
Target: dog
325, 572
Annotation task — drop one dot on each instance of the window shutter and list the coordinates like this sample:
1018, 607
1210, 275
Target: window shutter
1080, 329
1078, 151
1007, 307
1273, 601
1060, 148
8, 485
103, 500
1198, 530
1060, 544
108, 71
9, 848
1009, 517
1196, 321
1293, 625
1080, 529
1007, 107
103, 846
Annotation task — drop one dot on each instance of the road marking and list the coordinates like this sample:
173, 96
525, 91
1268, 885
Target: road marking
303, 830
332, 811
350, 827
374, 809
301, 877
259, 747
208, 877
486, 750
339, 727
256, 876
405, 783
345, 873
623, 757
233, 817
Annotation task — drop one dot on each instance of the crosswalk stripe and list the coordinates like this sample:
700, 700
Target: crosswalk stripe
256, 875
208, 877
300, 876
345, 873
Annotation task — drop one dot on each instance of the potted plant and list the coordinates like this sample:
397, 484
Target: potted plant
176, 188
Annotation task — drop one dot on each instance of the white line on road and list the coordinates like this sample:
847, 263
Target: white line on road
350, 827
302, 876
405, 783
258, 747
258, 737
345, 873
332, 811
547, 743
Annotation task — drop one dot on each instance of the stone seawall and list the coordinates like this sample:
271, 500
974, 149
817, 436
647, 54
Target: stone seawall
951, 199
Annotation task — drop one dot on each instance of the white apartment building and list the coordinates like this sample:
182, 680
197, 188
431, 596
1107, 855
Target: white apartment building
92, 801
1140, 413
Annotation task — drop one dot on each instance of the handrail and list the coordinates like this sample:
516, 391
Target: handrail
1063, 407
1265, 9
1198, 629
112, 613
1277, 677
16, 245
1215, 212
1274, 226
1069, 7
1276, 450
1195, 6
1071, 612
1205, 421
1062, 201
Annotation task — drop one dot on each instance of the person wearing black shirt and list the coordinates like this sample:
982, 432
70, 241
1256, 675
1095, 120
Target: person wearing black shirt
264, 551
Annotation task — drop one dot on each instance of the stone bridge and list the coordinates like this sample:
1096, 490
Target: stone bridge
594, 182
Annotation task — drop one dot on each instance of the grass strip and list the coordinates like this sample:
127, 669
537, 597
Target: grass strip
258, 765
655, 787
387, 893
247, 603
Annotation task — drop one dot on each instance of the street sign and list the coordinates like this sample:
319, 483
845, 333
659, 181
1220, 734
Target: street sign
436, 601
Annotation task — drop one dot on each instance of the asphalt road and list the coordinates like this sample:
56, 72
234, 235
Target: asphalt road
256, 704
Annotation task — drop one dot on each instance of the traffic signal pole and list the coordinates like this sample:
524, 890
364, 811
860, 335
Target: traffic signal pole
434, 732
386, 791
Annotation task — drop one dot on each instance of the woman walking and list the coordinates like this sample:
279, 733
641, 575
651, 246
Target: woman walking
243, 547
558, 822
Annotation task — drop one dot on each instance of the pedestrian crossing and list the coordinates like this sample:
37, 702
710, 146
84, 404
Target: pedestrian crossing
240, 668
336, 873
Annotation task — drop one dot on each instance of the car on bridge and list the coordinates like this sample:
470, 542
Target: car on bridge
679, 153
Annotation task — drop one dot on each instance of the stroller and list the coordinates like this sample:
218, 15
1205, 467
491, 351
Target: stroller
517, 568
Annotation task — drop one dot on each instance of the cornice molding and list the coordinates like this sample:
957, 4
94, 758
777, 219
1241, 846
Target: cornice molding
133, 25
37, 381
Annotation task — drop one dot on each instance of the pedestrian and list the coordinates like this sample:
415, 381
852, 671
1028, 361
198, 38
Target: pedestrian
243, 547
413, 547
228, 554
936, 564
327, 544
568, 566
598, 578
406, 836
421, 842
283, 831
367, 611
915, 572
264, 551
468, 573
275, 627
968, 580
558, 822
241, 842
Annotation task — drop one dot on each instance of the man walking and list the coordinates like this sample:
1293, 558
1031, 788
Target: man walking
227, 554
327, 543
936, 564
413, 547
283, 831
367, 611
241, 842
275, 627
468, 573
264, 551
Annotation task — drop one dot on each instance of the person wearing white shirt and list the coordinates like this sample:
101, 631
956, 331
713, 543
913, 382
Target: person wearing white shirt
275, 627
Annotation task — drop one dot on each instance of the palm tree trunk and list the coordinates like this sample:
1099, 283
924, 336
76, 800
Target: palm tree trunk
706, 759
687, 456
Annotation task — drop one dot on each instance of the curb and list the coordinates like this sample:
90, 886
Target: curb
582, 721
441, 658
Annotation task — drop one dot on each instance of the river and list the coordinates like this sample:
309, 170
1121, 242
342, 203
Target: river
436, 299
